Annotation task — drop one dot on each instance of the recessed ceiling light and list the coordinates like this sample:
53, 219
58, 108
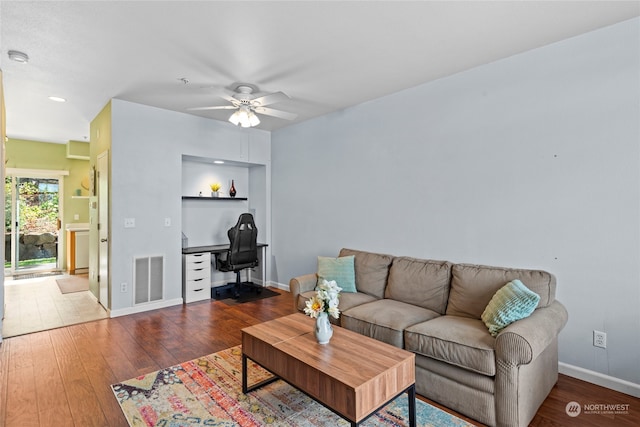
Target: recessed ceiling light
218, 162
18, 56
57, 99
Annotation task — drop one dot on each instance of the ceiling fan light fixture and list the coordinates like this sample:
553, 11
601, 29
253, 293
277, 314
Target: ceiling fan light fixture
235, 118
246, 106
244, 117
253, 119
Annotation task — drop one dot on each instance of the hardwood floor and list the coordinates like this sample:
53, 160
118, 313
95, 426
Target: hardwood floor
61, 377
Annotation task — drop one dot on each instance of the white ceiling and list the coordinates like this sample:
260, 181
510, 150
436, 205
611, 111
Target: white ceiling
326, 55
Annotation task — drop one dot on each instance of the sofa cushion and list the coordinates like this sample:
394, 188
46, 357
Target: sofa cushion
340, 269
385, 319
473, 286
512, 302
372, 271
351, 300
460, 341
420, 282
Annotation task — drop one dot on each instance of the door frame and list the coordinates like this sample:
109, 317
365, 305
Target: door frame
37, 173
101, 185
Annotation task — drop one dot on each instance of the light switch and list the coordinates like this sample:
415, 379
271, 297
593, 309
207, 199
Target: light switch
167, 222
129, 223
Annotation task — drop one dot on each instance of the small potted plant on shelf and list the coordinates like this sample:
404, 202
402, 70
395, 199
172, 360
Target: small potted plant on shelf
215, 188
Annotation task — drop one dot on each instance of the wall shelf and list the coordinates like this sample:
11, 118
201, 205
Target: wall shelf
212, 198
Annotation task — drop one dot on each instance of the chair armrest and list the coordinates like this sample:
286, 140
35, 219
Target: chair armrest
301, 284
522, 341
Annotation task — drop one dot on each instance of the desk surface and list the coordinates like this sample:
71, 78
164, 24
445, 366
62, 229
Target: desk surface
215, 249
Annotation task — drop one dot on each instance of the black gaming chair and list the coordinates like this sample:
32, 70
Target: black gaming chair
242, 253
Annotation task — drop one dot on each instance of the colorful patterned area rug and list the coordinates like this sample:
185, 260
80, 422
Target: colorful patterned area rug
208, 392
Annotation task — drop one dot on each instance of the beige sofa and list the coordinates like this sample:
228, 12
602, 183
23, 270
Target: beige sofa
433, 308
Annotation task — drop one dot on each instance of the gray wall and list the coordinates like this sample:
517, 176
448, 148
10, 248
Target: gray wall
205, 222
147, 150
531, 161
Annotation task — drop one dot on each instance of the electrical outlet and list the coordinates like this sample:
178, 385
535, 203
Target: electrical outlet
599, 339
129, 223
123, 287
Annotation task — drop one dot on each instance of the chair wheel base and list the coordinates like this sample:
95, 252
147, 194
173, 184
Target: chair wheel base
235, 288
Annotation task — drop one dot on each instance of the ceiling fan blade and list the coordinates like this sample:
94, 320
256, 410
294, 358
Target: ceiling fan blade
271, 98
229, 98
217, 107
275, 113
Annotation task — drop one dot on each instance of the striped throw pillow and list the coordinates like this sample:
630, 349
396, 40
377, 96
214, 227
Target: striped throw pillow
514, 301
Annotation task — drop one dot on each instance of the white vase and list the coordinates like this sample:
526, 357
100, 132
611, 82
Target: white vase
214, 194
324, 331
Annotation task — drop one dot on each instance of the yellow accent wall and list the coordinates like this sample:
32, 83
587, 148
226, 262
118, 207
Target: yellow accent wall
100, 131
24, 154
78, 150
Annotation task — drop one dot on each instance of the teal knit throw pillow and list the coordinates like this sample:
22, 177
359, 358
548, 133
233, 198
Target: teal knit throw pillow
514, 301
341, 269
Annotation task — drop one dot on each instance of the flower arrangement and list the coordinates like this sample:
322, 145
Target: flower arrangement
325, 300
215, 186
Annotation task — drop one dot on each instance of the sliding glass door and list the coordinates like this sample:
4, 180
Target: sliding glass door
32, 224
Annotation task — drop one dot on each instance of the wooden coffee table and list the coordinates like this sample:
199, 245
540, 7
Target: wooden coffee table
355, 376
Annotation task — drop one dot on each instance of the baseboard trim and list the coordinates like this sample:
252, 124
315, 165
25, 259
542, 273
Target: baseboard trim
145, 307
279, 286
602, 380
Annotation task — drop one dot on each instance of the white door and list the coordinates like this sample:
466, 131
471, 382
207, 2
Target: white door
102, 170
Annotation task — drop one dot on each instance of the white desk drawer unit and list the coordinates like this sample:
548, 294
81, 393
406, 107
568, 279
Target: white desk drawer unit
196, 280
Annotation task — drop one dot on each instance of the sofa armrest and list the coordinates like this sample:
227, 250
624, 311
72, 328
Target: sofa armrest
522, 341
301, 284
527, 364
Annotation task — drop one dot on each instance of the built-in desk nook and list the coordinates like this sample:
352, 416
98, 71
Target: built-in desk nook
197, 264
207, 217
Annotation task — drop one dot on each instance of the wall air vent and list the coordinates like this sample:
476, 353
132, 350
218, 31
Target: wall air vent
148, 274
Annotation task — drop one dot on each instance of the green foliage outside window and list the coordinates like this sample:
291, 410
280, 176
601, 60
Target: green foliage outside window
38, 205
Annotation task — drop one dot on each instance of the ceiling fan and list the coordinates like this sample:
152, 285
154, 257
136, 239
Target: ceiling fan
247, 105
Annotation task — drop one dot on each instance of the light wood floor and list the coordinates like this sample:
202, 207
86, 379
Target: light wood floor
37, 304
61, 377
